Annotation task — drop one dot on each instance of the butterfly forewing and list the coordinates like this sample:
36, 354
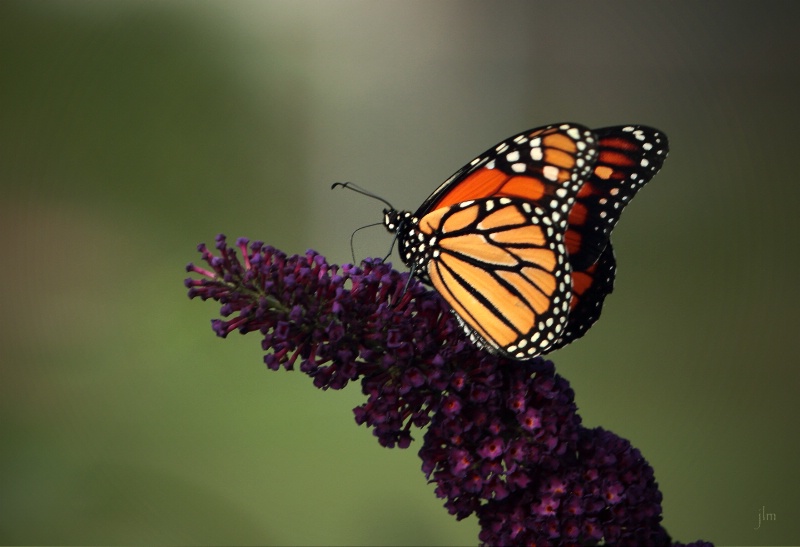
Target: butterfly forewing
533, 166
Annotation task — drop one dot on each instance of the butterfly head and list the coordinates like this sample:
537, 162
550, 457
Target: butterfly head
404, 225
395, 220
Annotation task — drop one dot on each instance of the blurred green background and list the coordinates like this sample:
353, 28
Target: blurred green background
131, 131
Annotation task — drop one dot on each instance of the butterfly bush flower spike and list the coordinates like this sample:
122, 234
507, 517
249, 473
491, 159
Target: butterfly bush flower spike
503, 440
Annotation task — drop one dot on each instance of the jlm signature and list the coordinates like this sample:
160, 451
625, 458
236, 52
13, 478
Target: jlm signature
763, 516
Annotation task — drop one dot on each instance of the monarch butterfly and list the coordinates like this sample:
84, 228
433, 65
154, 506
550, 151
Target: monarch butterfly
517, 241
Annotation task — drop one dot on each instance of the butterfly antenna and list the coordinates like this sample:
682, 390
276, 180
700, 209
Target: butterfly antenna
358, 189
352, 247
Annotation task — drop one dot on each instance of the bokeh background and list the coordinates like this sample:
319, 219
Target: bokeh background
131, 131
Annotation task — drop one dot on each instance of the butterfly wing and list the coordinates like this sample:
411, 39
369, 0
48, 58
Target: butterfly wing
500, 269
539, 165
491, 238
590, 287
627, 158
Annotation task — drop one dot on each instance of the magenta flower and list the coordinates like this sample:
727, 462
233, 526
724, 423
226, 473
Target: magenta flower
503, 438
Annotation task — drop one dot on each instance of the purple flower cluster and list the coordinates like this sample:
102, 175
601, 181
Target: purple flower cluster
607, 491
503, 441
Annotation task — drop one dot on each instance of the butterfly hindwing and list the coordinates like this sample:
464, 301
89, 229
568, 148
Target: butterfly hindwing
627, 158
503, 271
590, 287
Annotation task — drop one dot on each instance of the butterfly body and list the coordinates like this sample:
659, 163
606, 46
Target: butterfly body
517, 241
